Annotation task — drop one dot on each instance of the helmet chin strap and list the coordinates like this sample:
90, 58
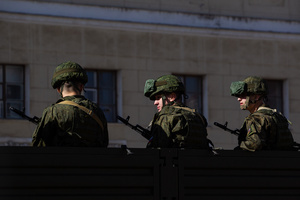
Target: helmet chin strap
249, 101
171, 102
164, 98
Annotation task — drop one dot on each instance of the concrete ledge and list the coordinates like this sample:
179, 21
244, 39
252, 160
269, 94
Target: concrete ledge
149, 17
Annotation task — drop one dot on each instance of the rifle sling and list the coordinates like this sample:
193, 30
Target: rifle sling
88, 111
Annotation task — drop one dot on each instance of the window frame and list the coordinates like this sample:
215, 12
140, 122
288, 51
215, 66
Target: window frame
4, 90
282, 96
97, 89
201, 94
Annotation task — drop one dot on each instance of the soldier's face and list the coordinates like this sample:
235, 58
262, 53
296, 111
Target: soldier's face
250, 103
242, 100
158, 101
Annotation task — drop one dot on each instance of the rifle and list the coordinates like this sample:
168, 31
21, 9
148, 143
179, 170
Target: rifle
224, 127
34, 119
144, 132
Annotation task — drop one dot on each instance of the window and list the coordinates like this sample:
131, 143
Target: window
275, 96
193, 89
11, 90
101, 89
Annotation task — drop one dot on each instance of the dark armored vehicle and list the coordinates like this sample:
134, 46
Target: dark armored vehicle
121, 173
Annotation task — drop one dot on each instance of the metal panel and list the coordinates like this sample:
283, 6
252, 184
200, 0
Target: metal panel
168, 174
239, 174
78, 173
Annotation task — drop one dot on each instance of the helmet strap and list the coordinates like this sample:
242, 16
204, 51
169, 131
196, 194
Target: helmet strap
178, 96
61, 89
255, 100
249, 101
164, 99
171, 102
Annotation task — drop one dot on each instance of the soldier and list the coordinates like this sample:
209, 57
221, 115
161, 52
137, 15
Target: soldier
264, 128
73, 120
174, 125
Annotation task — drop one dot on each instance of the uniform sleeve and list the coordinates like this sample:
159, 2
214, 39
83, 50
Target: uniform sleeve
166, 130
179, 130
252, 140
43, 130
160, 131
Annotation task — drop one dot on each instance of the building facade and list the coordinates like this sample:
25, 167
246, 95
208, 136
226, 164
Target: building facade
123, 43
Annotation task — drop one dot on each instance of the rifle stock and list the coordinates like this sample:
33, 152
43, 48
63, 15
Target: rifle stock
34, 119
144, 132
224, 127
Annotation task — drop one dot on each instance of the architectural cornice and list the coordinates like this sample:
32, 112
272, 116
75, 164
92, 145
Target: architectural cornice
113, 14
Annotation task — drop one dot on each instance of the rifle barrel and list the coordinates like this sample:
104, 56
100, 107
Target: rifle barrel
34, 120
220, 125
144, 132
224, 127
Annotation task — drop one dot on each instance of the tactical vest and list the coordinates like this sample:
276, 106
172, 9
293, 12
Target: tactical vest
196, 136
280, 136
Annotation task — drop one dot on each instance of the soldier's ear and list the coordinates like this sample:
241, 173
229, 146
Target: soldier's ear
172, 96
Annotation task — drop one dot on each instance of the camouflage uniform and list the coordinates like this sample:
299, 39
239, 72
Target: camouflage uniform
265, 129
175, 125
68, 125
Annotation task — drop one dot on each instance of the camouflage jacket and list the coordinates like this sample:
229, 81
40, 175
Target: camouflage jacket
68, 125
179, 127
266, 129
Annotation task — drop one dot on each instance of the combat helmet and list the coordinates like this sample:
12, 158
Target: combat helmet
163, 84
251, 85
68, 71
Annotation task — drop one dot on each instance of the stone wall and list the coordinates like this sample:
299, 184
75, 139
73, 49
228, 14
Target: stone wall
142, 51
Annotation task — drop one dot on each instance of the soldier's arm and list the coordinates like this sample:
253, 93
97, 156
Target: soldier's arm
252, 142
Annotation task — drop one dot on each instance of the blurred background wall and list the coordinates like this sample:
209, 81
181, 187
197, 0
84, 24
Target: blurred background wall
122, 43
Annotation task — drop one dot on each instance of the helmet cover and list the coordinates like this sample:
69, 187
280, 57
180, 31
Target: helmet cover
163, 84
251, 85
68, 71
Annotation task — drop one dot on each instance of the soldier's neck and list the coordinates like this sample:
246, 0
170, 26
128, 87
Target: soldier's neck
65, 94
